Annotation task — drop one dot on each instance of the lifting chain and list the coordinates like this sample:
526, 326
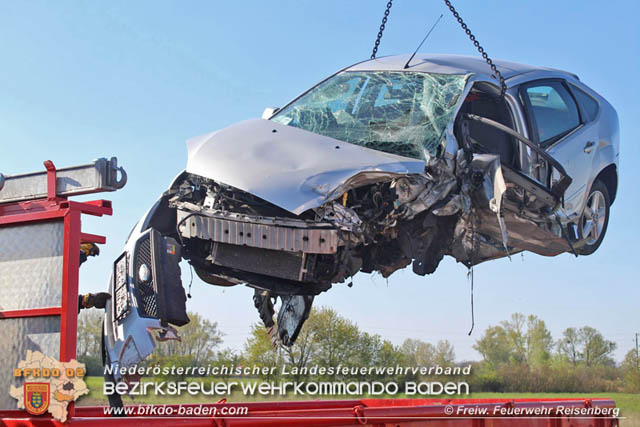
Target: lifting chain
384, 22
503, 85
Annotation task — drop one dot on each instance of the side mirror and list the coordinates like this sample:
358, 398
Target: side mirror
269, 111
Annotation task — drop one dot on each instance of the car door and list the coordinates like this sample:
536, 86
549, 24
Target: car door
558, 126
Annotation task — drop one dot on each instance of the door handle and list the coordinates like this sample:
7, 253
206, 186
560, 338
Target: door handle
588, 147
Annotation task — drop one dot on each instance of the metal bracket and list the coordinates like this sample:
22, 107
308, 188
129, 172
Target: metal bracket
101, 175
52, 180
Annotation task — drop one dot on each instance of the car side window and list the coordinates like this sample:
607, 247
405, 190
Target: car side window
554, 111
588, 105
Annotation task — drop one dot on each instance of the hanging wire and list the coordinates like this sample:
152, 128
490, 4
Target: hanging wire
191, 281
473, 320
470, 272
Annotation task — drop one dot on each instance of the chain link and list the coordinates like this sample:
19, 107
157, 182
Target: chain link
384, 22
494, 69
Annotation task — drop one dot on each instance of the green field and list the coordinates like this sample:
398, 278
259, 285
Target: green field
629, 404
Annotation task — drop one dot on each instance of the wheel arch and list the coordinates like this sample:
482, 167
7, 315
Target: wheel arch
609, 176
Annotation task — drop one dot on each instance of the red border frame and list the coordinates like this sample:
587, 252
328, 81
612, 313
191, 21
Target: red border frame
374, 412
54, 208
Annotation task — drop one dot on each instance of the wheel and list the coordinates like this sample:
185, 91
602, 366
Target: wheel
595, 218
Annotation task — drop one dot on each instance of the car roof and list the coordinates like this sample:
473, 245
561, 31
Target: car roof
447, 64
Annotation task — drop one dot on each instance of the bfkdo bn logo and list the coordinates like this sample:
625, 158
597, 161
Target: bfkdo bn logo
48, 385
36, 398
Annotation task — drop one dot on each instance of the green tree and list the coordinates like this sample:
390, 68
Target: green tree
373, 350
631, 372
494, 346
89, 334
586, 346
539, 342
596, 349
327, 339
227, 357
337, 339
515, 332
88, 345
388, 355
520, 340
569, 345
444, 354
418, 353
260, 351
198, 341
517, 356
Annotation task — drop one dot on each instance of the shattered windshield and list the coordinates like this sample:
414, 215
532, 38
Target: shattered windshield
402, 113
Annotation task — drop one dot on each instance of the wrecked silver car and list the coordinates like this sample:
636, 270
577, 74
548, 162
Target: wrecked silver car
379, 166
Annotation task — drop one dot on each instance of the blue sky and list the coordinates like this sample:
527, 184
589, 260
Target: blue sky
81, 80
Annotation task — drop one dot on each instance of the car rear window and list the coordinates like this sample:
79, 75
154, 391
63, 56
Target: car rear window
588, 105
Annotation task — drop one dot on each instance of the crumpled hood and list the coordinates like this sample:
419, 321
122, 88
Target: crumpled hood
292, 168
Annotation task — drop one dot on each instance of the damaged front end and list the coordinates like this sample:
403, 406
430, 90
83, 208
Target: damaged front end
148, 299
312, 197
380, 222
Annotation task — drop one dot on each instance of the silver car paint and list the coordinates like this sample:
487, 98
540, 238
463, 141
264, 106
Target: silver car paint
295, 169
569, 151
605, 154
292, 168
447, 64
298, 170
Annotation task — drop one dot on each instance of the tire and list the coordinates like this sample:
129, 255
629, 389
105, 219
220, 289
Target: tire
592, 230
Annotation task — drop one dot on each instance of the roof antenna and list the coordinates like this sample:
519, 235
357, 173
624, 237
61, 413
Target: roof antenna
422, 42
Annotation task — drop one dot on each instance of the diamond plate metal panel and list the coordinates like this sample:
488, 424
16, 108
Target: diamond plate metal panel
16, 337
100, 175
31, 265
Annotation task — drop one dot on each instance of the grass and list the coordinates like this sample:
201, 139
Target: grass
628, 403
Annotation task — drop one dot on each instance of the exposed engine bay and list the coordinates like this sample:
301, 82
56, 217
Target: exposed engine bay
461, 206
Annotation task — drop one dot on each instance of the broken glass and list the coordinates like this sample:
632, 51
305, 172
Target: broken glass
402, 113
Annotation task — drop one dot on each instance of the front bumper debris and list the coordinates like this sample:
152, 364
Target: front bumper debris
258, 232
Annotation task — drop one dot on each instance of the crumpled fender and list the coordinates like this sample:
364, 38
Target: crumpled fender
292, 168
